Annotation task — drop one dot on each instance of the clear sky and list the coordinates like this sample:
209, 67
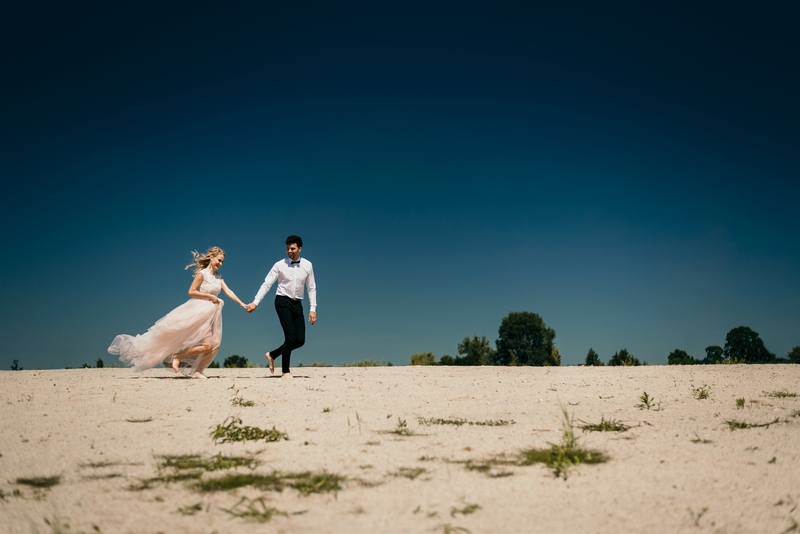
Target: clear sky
629, 171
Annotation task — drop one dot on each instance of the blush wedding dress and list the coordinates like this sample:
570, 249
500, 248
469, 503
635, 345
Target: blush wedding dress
195, 322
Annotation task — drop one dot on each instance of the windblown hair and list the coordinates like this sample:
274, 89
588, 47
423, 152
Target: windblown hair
201, 261
296, 239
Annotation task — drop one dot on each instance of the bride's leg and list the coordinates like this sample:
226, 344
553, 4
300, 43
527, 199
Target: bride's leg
185, 353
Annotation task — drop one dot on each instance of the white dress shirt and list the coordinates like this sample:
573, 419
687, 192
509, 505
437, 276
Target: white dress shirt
291, 278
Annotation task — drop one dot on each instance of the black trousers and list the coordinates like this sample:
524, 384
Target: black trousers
290, 314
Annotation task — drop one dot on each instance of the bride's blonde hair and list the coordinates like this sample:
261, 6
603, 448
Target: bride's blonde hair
201, 261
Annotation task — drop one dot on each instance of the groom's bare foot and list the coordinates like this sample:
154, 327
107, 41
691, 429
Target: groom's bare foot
176, 363
271, 361
199, 376
286, 376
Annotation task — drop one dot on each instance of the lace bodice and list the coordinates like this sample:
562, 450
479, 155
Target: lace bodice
212, 283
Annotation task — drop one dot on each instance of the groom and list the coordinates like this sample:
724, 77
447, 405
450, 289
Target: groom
291, 273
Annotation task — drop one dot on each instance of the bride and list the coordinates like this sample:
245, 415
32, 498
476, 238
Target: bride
189, 336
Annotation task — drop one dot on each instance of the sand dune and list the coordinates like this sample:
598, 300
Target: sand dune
388, 439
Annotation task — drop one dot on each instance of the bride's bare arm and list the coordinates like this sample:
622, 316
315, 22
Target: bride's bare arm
228, 291
196, 294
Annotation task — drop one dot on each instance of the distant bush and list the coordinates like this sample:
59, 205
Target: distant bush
794, 355
423, 358
235, 361
681, 357
369, 363
593, 359
624, 358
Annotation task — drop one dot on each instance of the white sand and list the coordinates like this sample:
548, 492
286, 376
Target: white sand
61, 422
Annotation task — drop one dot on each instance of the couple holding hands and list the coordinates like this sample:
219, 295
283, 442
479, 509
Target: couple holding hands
189, 336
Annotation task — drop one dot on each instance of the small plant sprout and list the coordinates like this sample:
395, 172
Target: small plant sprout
604, 426
646, 401
738, 425
468, 509
696, 516
702, 392
698, 439
740, 403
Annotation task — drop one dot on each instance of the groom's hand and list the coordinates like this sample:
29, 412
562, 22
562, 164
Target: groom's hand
251, 307
312, 317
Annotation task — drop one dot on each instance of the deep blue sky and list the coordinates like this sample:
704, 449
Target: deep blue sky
629, 171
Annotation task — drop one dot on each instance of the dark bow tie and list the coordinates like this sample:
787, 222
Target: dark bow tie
296, 261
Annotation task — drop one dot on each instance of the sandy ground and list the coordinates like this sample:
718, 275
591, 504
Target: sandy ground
679, 468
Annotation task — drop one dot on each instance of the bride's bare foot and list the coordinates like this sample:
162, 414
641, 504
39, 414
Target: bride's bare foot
286, 376
271, 361
199, 376
176, 363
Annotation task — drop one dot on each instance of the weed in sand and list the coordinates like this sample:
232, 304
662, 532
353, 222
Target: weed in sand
779, 394
190, 510
698, 439
459, 422
231, 430
410, 472
150, 483
40, 482
737, 425
795, 413
254, 510
702, 392
215, 463
401, 430
561, 457
605, 426
326, 410
648, 402
143, 420
450, 529
490, 468
240, 401
740, 403
305, 483
468, 509
697, 515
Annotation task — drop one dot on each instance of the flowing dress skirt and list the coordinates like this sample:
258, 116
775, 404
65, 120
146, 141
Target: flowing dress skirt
194, 322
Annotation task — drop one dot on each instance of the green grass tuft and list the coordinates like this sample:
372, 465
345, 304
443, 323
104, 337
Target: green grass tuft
605, 426
740, 403
702, 392
40, 482
738, 425
231, 430
215, 463
565, 455
779, 394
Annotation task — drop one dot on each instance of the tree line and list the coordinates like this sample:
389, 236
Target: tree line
524, 339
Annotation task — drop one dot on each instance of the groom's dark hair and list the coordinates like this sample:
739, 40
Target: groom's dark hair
296, 239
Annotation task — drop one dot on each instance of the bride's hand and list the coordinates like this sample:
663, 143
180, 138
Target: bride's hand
214, 299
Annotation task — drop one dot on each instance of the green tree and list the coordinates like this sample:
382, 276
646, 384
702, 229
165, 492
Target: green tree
235, 361
680, 357
475, 351
15, 366
593, 359
99, 363
714, 354
447, 360
794, 355
524, 339
624, 358
423, 358
744, 345
555, 356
